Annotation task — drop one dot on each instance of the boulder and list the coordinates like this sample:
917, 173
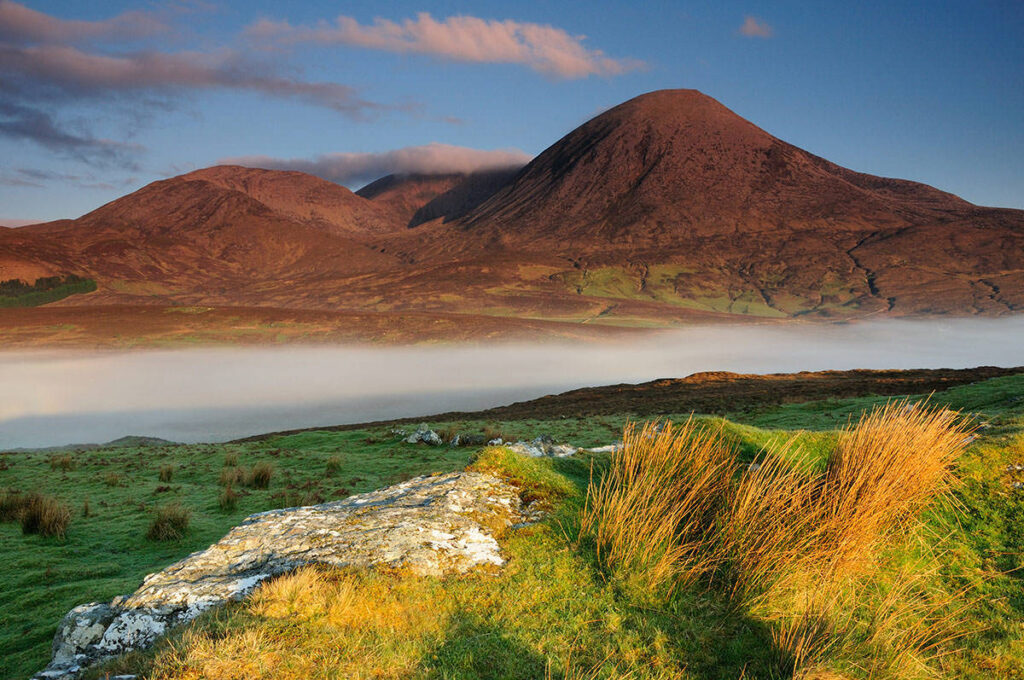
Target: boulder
425, 435
543, 446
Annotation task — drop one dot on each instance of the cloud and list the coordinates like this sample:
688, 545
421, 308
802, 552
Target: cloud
753, 28
359, 168
51, 66
23, 122
546, 49
57, 70
20, 24
34, 177
14, 222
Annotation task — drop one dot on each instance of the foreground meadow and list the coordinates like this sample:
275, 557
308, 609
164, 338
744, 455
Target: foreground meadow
930, 590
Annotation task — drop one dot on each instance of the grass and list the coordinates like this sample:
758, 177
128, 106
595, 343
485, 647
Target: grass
557, 609
170, 523
777, 538
40, 514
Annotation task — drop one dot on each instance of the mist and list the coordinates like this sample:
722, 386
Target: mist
53, 398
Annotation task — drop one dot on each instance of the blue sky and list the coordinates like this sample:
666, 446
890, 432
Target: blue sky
100, 98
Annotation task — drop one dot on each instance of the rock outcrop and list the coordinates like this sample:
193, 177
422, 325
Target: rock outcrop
428, 525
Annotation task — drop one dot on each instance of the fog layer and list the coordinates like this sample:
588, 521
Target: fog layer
56, 398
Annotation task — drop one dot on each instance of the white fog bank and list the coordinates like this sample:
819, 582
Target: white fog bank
61, 397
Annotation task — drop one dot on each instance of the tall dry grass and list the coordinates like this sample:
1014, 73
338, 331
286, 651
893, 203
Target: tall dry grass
675, 507
653, 511
893, 463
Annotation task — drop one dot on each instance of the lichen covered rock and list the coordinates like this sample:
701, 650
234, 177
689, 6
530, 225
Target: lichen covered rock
428, 525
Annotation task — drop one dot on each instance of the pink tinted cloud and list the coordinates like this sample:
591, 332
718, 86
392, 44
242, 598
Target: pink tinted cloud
19, 23
14, 223
75, 71
543, 48
360, 168
753, 28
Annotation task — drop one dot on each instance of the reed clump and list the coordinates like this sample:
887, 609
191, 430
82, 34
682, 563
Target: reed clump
228, 499
261, 474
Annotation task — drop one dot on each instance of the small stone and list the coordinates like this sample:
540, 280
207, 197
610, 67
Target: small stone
610, 448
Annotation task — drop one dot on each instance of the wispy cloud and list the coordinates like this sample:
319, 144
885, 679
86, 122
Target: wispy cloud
49, 65
21, 24
543, 48
359, 168
34, 177
23, 122
754, 28
69, 71
16, 222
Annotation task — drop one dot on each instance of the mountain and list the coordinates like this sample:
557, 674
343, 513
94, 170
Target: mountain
676, 163
416, 199
666, 209
676, 182
227, 233
404, 194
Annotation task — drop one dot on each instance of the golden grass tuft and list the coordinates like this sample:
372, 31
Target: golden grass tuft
675, 508
63, 462
12, 502
261, 474
653, 512
301, 616
228, 499
887, 468
166, 473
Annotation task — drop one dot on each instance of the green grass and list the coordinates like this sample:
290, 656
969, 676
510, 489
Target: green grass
552, 597
108, 554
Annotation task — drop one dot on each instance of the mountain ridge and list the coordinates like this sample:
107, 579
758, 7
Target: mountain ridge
664, 209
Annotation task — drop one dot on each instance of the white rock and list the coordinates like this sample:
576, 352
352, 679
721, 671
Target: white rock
429, 525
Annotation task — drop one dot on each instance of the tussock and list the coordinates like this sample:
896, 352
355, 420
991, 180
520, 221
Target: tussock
261, 475
676, 507
169, 523
653, 512
228, 499
44, 515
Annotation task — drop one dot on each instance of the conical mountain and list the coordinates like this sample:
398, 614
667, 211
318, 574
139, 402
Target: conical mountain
676, 163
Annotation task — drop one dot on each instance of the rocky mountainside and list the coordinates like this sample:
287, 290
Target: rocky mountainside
667, 208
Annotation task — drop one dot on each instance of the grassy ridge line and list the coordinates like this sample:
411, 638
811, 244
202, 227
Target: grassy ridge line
731, 393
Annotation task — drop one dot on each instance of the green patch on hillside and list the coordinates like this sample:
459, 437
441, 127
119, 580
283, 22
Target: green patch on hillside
554, 611
47, 289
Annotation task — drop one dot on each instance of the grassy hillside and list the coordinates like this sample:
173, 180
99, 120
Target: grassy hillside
557, 609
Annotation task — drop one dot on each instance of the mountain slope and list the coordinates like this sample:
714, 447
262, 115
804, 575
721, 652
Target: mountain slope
675, 163
674, 183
